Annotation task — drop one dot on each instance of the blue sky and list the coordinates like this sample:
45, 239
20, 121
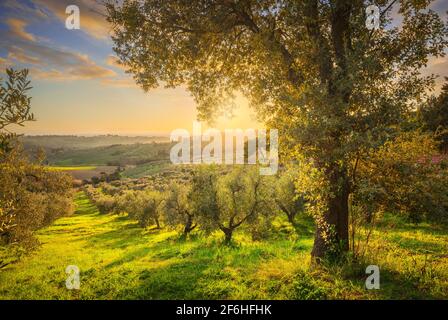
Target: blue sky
78, 86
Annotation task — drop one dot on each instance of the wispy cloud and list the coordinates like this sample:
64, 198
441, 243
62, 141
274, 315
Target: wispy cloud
19, 55
91, 15
19, 8
113, 61
48, 62
4, 63
17, 28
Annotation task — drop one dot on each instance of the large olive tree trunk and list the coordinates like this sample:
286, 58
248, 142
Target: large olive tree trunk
332, 234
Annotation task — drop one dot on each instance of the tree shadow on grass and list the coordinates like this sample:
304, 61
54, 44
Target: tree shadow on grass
190, 278
395, 285
419, 245
166, 268
174, 281
86, 208
122, 236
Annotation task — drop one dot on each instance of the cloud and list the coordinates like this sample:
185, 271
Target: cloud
52, 63
49, 62
92, 14
113, 61
63, 65
17, 28
19, 55
68, 74
19, 8
5, 63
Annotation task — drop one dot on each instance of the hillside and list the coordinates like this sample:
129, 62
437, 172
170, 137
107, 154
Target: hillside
49, 142
114, 155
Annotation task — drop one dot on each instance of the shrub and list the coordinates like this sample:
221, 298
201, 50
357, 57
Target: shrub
401, 177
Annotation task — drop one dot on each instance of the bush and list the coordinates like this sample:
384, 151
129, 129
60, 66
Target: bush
402, 177
31, 197
105, 203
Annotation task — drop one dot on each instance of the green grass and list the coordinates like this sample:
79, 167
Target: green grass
119, 260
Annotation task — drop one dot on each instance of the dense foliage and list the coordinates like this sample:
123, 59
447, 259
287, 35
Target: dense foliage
31, 196
311, 69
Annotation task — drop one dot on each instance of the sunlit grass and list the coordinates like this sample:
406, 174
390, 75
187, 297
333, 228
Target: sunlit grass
119, 260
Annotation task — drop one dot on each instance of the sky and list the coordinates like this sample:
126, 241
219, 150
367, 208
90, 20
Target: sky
78, 86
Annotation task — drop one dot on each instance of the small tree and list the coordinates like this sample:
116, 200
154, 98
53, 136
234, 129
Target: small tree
289, 201
150, 211
402, 177
225, 203
178, 209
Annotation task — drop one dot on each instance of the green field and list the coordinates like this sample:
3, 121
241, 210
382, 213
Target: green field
119, 260
56, 168
110, 155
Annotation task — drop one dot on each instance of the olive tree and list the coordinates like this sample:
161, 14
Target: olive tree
31, 196
311, 69
287, 198
178, 208
151, 209
225, 202
15, 104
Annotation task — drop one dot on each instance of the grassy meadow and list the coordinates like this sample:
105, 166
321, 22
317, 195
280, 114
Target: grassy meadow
120, 260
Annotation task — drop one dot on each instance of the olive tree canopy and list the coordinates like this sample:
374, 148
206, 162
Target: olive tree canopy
310, 68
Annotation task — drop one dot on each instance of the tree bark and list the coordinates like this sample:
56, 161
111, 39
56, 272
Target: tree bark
228, 235
291, 218
188, 226
336, 218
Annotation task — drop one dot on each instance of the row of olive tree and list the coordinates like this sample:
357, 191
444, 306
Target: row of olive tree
214, 201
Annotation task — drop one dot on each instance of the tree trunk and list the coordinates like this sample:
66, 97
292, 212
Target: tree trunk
291, 218
228, 235
188, 226
336, 218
